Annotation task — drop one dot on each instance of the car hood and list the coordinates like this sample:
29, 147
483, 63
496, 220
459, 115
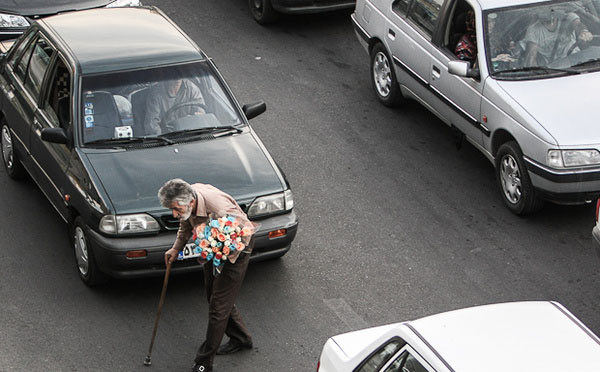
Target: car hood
564, 106
32, 8
235, 164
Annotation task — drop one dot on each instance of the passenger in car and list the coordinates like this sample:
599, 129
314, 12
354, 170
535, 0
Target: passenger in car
504, 51
466, 48
553, 36
169, 100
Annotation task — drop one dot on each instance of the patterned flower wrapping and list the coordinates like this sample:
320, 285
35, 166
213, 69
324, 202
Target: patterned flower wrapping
222, 238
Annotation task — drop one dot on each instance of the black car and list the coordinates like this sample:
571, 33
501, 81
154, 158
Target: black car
16, 16
78, 113
267, 11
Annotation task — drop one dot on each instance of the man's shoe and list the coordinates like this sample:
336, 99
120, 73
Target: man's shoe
201, 368
232, 346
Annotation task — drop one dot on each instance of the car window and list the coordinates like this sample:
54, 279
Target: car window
381, 356
24, 62
38, 64
18, 48
57, 101
425, 14
401, 6
412, 365
153, 102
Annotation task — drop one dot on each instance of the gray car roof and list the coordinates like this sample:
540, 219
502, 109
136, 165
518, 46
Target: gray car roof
111, 39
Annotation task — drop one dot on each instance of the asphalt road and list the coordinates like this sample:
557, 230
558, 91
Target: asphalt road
396, 223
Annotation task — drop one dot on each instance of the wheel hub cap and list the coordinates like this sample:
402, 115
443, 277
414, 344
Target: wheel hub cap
7, 148
81, 252
382, 74
510, 177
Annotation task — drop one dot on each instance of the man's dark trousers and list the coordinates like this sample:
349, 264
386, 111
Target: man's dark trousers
223, 315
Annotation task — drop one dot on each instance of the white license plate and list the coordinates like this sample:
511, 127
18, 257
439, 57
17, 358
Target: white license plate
188, 252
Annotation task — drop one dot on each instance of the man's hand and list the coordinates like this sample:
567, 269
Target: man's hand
170, 256
504, 58
585, 35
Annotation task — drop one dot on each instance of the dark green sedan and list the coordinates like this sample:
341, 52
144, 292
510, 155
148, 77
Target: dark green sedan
101, 107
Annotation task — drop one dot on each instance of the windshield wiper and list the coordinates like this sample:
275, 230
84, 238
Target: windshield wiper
126, 140
538, 69
204, 130
588, 63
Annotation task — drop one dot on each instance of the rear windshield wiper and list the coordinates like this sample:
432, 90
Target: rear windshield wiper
126, 140
537, 69
204, 130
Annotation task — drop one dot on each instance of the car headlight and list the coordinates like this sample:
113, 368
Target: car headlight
128, 224
120, 3
271, 204
11, 20
573, 158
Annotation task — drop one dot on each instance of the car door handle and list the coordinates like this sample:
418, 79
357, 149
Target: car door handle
391, 34
436, 72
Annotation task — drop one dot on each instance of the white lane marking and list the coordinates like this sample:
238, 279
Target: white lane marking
343, 311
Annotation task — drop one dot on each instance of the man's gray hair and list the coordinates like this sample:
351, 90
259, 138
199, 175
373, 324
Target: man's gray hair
176, 190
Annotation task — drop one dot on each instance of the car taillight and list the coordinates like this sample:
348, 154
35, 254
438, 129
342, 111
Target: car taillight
597, 208
319, 362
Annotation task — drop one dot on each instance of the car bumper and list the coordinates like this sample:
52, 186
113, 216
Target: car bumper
110, 253
361, 34
572, 186
310, 6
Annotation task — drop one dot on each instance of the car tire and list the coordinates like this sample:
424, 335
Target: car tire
84, 255
383, 77
262, 11
518, 193
12, 163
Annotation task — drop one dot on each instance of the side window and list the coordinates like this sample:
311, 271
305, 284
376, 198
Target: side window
58, 101
38, 64
425, 14
24, 62
401, 6
18, 48
381, 356
412, 365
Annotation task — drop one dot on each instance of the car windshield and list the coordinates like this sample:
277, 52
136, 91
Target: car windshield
170, 101
543, 40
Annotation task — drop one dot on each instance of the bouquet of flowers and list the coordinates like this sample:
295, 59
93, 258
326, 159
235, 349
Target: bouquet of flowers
222, 238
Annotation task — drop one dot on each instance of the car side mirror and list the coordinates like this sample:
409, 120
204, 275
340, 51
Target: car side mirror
55, 135
463, 69
252, 110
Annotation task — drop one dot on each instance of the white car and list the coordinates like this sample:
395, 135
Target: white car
515, 78
517, 336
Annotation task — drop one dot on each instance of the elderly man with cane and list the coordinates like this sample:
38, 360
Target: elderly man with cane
193, 204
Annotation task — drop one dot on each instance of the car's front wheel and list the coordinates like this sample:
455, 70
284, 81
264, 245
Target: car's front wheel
262, 11
12, 164
383, 77
84, 255
518, 193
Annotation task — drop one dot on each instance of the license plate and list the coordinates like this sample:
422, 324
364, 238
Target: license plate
188, 252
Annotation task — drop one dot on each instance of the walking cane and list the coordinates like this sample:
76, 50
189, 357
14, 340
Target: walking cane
148, 360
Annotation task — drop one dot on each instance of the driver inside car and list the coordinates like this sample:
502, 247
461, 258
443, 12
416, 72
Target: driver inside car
169, 100
553, 36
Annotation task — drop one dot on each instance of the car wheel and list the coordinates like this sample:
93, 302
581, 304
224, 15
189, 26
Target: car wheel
262, 11
13, 165
518, 193
84, 255
384, 78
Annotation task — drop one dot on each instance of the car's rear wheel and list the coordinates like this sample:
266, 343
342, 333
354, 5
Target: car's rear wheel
12, 164
84, 255
262, 11
383, 77
518, 193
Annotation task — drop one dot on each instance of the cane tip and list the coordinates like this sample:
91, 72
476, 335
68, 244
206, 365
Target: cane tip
148, 361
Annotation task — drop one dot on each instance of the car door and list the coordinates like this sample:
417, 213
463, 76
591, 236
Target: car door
18, 104
410, 28
54, 112
461, 95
